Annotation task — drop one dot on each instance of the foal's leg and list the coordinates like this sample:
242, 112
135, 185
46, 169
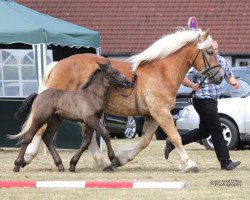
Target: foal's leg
27, 138
48, 138
33, 147
87, 134
94, 123
100, 161
127, 153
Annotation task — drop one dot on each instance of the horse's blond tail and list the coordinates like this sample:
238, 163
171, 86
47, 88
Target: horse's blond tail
47, 74
25, 128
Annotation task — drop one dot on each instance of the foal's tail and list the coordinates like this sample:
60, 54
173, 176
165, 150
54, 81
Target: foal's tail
24, 108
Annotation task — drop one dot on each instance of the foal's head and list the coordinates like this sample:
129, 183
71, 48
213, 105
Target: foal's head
114, 76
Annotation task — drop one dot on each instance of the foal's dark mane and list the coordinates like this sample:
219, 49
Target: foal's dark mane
90, 79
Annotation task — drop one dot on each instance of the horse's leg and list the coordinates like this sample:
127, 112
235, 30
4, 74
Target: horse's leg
87, 134
27, 138
48, 138
165, 120
128, 153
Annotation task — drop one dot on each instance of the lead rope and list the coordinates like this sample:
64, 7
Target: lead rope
190, 96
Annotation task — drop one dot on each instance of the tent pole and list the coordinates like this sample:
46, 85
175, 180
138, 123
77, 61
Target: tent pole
40, 54
98, 51
98, 137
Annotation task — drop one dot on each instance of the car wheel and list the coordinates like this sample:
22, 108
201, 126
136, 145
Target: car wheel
131, 128
230, 133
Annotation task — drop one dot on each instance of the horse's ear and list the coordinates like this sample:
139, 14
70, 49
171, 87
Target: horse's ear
207, 33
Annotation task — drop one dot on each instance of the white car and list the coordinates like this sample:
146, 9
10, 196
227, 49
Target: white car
234, 114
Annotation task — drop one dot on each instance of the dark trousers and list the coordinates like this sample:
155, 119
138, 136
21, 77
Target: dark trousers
209, 125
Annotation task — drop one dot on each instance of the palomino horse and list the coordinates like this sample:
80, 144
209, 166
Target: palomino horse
83, 105
160, 70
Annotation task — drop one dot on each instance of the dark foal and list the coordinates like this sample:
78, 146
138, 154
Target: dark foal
84, 105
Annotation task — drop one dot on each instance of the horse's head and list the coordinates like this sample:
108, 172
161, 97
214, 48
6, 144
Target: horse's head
114, 76
205, 60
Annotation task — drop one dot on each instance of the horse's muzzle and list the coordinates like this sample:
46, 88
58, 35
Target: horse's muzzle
215, 75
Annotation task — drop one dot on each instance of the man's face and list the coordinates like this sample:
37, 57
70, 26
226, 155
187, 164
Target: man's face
215, 46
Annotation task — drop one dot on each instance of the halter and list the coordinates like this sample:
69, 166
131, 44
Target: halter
201, 46
206, 72
111, 80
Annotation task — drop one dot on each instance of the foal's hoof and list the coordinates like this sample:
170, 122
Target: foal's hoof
16, 169
23, 164
108, 169
72, 169
61, 168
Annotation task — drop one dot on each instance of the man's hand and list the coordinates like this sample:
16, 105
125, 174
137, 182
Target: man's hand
196, 87
236, 85
232, 81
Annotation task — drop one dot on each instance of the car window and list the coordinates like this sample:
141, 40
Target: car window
229, 91
242, 73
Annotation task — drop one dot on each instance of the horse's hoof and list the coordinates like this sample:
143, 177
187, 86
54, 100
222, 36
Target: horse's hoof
190, 167
193, 169
115, 163
16, 169
108, 169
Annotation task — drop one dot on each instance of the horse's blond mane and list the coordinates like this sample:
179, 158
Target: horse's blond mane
163, 47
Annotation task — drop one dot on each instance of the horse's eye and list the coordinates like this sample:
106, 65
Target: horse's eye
210, 53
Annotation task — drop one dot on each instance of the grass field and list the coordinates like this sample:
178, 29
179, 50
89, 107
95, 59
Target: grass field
149, 165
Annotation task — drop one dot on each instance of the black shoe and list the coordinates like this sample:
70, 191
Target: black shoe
230, 165
169, 147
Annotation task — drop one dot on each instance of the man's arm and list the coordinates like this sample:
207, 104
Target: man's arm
229, 76
186, 82
232, 81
